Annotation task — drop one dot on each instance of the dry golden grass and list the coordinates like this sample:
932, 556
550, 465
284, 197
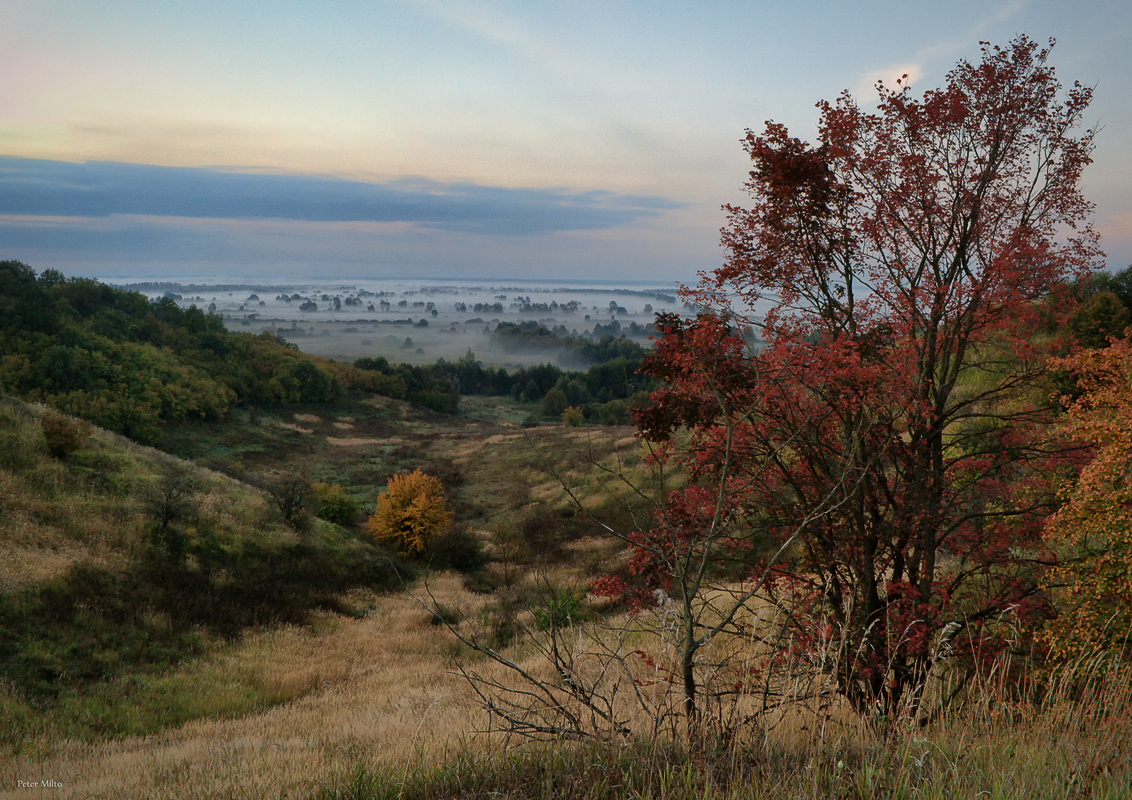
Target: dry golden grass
292, 427
378, 689
358, 441
383, 693
52, 520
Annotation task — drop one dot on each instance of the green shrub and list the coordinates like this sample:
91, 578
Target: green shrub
334, 505
553, 403
290, 496
459, 550
444, 615
560, 607
1102, 317
169, 504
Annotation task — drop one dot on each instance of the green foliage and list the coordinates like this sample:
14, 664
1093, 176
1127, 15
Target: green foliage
615, 412
133, 366
290, 493
459, 549
1101, 318
170, 502
1119, 284
612, 375
422, 386
444, 615
560, 607
608, 342
334, 505
573, 417
553, 403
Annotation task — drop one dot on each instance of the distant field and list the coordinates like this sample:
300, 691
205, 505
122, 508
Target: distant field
376, 318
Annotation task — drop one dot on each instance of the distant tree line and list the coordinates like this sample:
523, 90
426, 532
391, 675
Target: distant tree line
604, 391
605, 342
1104, 308
133, 365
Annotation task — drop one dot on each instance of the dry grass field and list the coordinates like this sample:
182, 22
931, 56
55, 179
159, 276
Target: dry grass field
357, 692
377, 690
309, 699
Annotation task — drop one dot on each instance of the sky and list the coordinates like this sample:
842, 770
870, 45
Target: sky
447, 138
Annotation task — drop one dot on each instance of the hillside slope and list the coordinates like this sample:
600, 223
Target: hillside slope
120, 562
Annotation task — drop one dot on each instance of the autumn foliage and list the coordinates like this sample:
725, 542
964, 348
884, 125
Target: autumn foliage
884, 461
410, 514
1092, 531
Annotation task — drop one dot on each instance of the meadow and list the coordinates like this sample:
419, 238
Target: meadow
203, 661
333, 690
195, 619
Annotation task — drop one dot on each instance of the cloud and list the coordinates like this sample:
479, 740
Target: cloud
140, 247
907, 74
31, 187
946, 49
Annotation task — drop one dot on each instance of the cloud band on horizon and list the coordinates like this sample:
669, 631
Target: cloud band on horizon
33, 187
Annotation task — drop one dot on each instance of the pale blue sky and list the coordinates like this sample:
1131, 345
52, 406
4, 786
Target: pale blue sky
552, 139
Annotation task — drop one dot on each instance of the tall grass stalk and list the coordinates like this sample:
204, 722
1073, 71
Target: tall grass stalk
1060, 733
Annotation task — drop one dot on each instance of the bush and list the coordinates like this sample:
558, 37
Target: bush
1102, 317
559, 607
553, 403
411, 513
459, 549
63, 436
334, 505
290, 496
169, 502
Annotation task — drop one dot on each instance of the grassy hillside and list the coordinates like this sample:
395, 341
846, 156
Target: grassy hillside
166, 632
128, 572
122, 564
133, 366
330, 692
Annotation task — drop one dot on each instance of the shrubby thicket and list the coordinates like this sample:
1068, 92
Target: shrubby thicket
132, 365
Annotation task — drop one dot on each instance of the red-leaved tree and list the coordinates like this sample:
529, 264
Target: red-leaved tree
892, 425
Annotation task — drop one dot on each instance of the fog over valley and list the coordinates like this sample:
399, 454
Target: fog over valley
419, 321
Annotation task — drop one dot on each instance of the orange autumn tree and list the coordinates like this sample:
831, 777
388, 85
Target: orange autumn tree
1093, 529
410, 514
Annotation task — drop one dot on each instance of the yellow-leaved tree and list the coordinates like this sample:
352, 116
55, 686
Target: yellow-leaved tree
410, 514
1092, 532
